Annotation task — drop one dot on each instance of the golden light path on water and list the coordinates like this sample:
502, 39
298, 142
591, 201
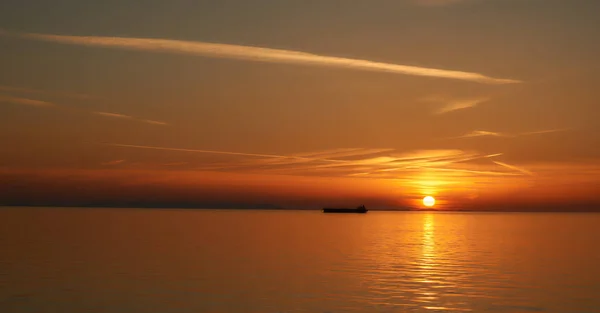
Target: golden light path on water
429, 263
296, 261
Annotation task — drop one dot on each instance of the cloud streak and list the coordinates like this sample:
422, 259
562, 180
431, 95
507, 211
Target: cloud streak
460, 105
257, 54
115, 162
450, 105
384, 165
25, 101
512, 167
46, 104
485, 133
275, 156
114, 115
127, 117
155, 122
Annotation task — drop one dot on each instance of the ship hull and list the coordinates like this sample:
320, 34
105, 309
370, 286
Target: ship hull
341, 210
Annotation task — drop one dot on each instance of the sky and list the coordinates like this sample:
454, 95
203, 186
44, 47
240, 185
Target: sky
482, 104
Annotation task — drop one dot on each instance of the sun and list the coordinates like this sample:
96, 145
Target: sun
429, 201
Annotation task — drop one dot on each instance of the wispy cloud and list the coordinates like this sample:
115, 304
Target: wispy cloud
115, 115
458, 170
386, 165
345, 152
323, 156
127, 117
447, 105
25, 101
460, 105
115, 162
250, 53
41, 103
155, 122
275, 156
513, 167
485, 133
548, 131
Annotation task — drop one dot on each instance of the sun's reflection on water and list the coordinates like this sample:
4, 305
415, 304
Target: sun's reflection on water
428, 253
416, 261
426, 263
432, 274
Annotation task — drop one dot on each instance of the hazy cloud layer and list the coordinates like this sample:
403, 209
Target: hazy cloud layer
421, 172
385, 164
249, 53
127, 117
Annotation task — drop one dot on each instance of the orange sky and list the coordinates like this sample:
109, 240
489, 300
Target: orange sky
483, 104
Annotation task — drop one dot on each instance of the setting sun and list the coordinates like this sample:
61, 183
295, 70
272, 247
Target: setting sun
429, 201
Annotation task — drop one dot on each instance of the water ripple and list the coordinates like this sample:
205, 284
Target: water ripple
195, 261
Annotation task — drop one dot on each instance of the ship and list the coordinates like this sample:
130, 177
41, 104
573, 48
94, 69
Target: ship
360, 209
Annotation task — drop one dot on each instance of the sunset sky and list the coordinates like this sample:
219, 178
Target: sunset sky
483, 104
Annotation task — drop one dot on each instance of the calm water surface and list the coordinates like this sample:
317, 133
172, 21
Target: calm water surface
128, 260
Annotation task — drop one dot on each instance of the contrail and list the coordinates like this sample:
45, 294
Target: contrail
483, 133
115, 115
115, 162
460, 105
127, 117
370, 167
549, 131
516, 168
258, 54
25, 101
221, 152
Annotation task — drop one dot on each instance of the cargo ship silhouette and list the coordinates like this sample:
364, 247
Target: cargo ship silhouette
360, 209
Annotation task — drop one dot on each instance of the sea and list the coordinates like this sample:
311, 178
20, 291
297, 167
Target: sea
252, 261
